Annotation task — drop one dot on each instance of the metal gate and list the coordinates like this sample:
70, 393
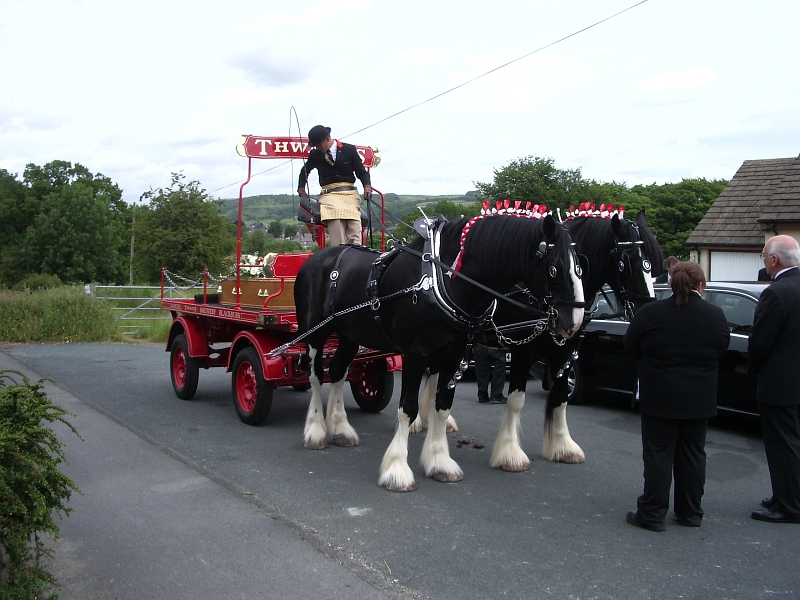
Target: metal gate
136, 307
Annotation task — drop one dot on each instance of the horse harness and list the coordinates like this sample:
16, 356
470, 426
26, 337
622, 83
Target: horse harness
619, 255
432, 288
434, 291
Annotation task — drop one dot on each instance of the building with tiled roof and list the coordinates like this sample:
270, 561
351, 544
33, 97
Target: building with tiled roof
762, 200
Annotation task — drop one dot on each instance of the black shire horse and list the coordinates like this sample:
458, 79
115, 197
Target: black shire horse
621, 253
498, 253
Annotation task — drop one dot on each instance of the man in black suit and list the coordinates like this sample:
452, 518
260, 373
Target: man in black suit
667, 275
338, 165
490, 365
678, 342
773, 352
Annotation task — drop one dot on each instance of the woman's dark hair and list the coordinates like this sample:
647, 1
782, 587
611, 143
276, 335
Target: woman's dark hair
687, 277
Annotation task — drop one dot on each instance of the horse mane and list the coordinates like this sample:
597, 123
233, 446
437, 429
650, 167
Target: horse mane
594, 233
499, 239
510, 240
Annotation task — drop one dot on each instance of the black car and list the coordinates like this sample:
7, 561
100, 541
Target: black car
603, 366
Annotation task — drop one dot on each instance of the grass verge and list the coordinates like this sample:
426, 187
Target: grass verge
64, 314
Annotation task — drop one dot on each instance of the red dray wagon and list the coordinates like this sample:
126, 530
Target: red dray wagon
248, 325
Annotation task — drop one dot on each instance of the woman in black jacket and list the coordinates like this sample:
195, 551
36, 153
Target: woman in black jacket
678, 342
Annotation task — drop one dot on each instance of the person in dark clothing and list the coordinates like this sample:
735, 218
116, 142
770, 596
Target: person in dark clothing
338, 165
763, 275
667, 275
490, 364
772, 353
678, 342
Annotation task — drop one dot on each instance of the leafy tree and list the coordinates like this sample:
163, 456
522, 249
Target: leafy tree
281, 246
254, 242
18, 209
677, 209
290, 231
537, 180
275, 228
80, 229
36, 282
673, 209
181, 229
75, 237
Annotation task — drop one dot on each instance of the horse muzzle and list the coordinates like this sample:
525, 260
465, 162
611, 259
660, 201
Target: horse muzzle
570, 323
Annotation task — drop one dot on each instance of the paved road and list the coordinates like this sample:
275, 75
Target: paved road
555, 531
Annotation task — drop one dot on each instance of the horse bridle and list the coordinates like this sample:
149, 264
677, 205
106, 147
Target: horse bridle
619, 255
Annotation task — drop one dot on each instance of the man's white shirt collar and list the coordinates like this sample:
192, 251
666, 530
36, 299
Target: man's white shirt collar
782, 271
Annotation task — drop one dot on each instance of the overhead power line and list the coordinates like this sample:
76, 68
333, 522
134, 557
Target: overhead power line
511, 62
459, 86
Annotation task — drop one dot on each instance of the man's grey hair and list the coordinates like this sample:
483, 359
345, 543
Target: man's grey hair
788, 253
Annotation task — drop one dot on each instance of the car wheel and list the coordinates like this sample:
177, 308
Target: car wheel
574, 383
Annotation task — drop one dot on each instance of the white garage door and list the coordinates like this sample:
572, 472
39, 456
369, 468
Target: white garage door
735, 266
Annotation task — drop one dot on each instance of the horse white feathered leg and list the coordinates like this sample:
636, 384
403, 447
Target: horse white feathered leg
428, 396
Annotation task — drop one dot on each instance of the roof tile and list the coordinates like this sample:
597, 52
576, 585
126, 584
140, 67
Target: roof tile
760, 191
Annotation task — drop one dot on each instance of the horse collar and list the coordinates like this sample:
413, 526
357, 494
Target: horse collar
435, 292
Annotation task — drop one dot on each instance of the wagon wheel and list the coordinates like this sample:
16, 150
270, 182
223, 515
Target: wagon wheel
183, 369
252, 395
374, 391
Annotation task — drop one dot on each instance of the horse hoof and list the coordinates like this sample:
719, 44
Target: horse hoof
343, 441
408, 488
447, 477
513, 469
570, 459
320, 446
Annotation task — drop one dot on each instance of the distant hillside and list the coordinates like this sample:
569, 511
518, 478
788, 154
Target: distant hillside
267, 208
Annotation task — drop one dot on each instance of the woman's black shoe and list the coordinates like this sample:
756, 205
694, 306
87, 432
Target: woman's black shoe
633, 519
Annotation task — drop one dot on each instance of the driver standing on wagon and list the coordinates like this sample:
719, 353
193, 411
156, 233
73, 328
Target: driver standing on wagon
338, 164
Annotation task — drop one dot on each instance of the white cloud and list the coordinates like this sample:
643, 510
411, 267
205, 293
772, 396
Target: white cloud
423, 54
713, 172
239, 97
266, 68
319, 13
688, 80
629, 99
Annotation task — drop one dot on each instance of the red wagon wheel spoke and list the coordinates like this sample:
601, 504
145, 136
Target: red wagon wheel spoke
184, 369
252, 395
247, 387
374, 390
179, 367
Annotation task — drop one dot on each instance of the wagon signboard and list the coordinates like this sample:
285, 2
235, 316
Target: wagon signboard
256, 146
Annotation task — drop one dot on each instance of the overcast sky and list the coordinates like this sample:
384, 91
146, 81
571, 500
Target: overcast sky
139, 89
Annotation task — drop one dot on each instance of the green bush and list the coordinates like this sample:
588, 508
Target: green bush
152, 331
32, 489
36, 282
64, 314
